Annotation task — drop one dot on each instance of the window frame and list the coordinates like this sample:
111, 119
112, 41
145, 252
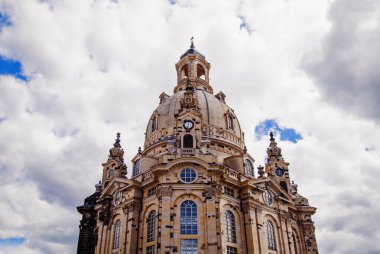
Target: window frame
150, 249
151, 227
192, 177
249, 169
116, 235
188, 218
187, 246
136, 170
231, 250
229, 191
230, 226
271, 236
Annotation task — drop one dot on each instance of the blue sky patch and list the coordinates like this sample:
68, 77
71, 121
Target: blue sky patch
268, 125
4, 20
11, 67
172, 2
13, 241
244, 24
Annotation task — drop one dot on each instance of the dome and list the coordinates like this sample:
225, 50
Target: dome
214, 116
193, 120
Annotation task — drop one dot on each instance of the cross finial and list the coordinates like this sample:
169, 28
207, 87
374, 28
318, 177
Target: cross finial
271, 136
117, 141
192, 42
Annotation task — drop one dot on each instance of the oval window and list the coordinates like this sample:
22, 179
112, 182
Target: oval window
188, 175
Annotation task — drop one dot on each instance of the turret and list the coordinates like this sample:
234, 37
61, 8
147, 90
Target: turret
193, 67
276, 167
115, 166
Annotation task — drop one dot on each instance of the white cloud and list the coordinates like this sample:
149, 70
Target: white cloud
97, 67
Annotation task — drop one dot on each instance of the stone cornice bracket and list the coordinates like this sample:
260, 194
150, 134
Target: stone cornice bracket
248, 207
214, 190
132, 206
164, 191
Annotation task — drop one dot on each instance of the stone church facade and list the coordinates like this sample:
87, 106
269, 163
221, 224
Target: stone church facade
194, 188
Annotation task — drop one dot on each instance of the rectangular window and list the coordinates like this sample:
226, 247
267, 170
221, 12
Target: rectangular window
231, 250
229, 191
189, 246
136, 168
151, 249
152, 191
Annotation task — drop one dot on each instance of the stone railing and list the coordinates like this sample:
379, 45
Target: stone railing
188, 150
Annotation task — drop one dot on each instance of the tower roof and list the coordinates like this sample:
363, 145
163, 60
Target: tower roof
192, 50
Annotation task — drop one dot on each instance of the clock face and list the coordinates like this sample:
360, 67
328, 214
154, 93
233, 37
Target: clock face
279, 171
267, 196
117, 198
188, 124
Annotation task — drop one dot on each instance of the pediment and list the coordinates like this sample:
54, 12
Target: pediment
277, 190
191, 114
116, 183
111, 163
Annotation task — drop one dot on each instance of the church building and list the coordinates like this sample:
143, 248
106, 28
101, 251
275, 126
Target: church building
194, 188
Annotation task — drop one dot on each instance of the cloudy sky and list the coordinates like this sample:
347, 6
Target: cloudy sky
73, 73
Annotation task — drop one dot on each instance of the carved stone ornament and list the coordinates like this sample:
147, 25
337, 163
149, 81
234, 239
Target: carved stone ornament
164, 191
132, 206
214, 191
248, 207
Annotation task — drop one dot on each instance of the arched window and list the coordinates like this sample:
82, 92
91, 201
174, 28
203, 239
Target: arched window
184, 71
151, 227
189, 219
136, 168
230, 227
294, 244
154, 123
188, 141
201, 72
116, 235
230, 122
271, 237
249, 168
111, 173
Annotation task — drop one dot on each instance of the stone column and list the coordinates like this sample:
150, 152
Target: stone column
165, 229
212, 196
250, 224
132, 210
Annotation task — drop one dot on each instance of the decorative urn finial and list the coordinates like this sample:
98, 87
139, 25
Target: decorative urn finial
116, 152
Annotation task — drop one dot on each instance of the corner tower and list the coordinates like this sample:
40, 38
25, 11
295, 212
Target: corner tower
194, 188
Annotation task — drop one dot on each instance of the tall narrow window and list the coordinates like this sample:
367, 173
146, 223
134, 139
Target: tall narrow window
116, 235
189, 246
231, 250
188, 141
294, 244
136, 168
230, 122
151, 249
271, 237
154, 123
189, 219
151, 227
249, 168
230, 227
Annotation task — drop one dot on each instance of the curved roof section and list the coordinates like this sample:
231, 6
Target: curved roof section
192, 51
213, 111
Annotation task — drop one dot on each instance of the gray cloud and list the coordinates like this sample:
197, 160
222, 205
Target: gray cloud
346, 69
100, 69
